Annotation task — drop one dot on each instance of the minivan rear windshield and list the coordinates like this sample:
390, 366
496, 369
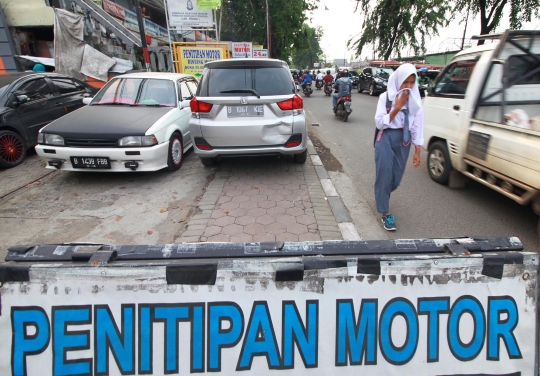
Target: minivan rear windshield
264, 80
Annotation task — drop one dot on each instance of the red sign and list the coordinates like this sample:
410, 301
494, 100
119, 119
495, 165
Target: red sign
114, 9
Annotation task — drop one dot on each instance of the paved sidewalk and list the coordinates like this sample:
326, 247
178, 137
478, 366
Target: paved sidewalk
269, 199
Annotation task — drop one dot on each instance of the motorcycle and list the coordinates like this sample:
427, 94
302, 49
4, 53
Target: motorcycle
343, 109
319, 84
328, 89
307, 90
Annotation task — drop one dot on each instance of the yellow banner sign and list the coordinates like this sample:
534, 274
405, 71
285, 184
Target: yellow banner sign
194, 58
208, 4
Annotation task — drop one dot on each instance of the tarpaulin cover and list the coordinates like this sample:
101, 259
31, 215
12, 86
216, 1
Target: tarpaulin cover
42, 60
72, 55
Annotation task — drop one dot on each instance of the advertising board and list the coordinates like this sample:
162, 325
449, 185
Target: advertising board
193, 58
242, 49
399, 315
114, 9
185, 14
260, 54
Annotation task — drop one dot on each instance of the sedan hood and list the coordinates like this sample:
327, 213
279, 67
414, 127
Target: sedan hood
107, 121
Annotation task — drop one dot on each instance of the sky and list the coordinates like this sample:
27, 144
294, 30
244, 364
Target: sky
340, 23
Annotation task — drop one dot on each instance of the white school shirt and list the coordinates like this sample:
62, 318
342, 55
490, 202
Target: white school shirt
320, 76
416, 122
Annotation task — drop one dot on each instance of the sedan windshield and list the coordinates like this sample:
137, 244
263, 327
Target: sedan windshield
137, 92
382, 72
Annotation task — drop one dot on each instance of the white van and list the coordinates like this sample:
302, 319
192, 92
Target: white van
482, 118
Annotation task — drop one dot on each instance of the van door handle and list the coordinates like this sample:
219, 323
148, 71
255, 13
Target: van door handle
456, 107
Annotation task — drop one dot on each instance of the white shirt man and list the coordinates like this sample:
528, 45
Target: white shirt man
320, 76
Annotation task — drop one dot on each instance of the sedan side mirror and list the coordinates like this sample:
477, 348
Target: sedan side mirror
87, 100
21, 99
185, 104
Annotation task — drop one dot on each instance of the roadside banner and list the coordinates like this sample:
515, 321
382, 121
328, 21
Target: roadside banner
260, 54
208, 4
242, 49
193, 58
114, 9
185, 308
257, 47
184, 13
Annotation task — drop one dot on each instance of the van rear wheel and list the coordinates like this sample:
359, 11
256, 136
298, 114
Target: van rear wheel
300, 158
439, 165
209, 162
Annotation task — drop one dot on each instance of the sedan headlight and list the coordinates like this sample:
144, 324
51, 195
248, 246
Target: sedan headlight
133, 141
50, 139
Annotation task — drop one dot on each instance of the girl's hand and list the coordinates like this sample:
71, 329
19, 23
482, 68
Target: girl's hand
416, 158
402, 99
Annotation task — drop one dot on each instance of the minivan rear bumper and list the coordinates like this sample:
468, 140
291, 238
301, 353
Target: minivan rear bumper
254, 151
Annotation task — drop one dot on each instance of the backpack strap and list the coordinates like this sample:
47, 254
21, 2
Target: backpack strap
388, 108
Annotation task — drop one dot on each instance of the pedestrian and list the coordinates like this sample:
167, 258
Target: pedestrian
423, 81
400, 121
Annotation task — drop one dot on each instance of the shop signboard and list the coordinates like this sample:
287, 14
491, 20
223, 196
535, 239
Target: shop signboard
193, 58
185, 14
242, 49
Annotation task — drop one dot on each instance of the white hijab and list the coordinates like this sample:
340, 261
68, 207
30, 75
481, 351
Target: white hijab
394, 83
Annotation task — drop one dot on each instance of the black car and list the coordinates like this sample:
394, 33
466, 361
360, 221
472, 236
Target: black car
354, 77
28, 102
374, 80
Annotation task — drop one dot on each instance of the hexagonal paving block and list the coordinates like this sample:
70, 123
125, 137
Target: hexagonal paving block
219, 238
218, 214
283, 181
276, 210
248, 205
275, 186
258, 198
284, 192
286, 219
266, 204
229, 205
233, 193
257, 212
295, 211
251, 192
264, 238
300, 192
267, 191
254, 229
276, 197
276, 228
285, 204
293, 198
309, 238
233, 229
237, 212
266, 219
224, 199
212, 230
306, 219
242, 238
297, 229
240, 199
292, 187
245, 220
224, 221
287, 237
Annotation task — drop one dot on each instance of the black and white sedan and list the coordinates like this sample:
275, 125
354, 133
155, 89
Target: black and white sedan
137, 122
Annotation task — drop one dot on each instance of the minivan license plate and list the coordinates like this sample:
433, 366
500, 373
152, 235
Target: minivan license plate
91, 162
247, 110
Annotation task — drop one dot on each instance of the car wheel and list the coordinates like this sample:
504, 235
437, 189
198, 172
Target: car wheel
12, 149
300, 158
208, 162
345, 116
439, 165
176, 152
372, 90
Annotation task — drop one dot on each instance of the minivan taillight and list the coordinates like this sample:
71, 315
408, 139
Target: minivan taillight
199, 106
295, 103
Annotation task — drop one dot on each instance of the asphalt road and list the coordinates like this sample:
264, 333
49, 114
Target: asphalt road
422, 207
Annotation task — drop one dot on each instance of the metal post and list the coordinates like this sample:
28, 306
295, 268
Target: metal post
220, 18
169, 35
144, 45
268, 42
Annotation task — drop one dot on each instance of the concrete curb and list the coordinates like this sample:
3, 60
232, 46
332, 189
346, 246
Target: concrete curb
341, 214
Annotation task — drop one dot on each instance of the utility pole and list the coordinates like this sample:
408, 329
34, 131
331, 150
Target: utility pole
144, 45
268, 41
465, 30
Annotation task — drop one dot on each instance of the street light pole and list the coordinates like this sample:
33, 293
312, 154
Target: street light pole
143, 36
268, 42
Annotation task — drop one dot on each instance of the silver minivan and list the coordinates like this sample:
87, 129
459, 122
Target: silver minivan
247, 107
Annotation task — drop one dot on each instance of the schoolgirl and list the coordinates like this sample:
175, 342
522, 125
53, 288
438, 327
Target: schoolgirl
399, 120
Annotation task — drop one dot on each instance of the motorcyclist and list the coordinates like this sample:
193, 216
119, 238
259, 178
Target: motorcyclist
423, 81
343, 86
320, 76
295, 75
328, 79
307, 78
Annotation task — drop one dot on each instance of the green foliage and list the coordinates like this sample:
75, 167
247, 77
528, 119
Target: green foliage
304, 56
393, 25
245, 21
491, 12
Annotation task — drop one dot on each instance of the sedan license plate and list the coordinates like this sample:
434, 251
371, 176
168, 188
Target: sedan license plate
91, 162
245, 111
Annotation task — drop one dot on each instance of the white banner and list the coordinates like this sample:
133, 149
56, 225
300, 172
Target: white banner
260, 54
420, 317
184, 13
242, 49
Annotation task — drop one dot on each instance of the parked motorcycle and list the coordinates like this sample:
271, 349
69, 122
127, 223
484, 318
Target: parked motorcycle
319, 85
328, 89
307, 90
343, 109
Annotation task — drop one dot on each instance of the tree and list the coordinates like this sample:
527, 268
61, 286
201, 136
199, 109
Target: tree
245, 21
491, 12
305, 56
392, 25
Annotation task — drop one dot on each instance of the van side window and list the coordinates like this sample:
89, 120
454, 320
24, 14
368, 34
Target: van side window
520, 65
455, 79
